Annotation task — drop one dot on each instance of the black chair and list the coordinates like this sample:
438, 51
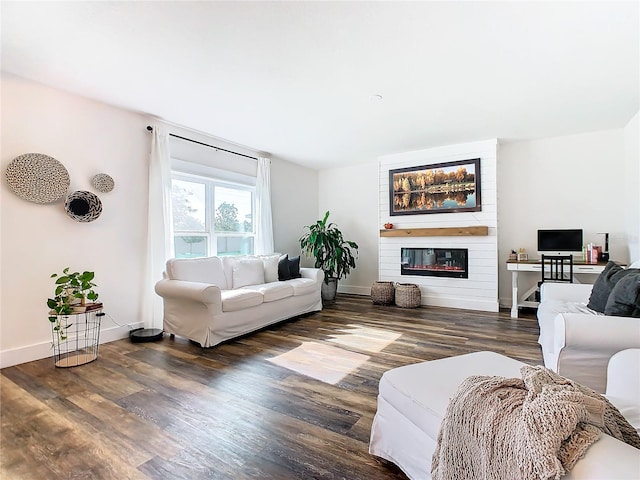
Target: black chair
554, 268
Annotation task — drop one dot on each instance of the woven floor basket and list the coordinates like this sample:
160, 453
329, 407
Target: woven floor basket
383, 293
408, 295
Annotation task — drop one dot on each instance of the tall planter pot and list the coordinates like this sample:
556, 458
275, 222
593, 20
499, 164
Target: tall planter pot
328, 290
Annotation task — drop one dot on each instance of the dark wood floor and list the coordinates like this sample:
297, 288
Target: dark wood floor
172, 410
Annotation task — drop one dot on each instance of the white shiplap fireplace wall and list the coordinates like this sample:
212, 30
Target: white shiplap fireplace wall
480, 290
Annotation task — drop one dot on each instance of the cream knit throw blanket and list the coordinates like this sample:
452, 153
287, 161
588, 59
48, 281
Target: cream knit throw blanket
536, 427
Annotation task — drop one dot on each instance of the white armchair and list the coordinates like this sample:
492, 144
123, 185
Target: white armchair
577, 342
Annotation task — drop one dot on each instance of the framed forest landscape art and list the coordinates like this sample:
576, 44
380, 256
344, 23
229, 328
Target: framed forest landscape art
436, 188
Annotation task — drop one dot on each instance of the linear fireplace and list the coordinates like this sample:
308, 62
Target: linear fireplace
435, 262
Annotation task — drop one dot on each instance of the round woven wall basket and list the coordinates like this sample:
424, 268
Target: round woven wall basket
383, 293
102, 182
83, 206
37, 178
408, 295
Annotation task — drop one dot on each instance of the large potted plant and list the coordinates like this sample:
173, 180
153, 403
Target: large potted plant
332, 253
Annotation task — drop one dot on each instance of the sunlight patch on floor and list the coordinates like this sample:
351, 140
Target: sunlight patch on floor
365, 338
322, 362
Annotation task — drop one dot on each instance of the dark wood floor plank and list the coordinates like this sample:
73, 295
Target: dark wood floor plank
172, 409
44, 443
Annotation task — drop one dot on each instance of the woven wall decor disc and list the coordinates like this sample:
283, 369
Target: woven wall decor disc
83, 206
102, 182
37, 178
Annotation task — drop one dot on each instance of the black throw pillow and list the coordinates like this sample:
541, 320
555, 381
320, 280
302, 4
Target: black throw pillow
624, 300
283, 268
294, 267
604, 284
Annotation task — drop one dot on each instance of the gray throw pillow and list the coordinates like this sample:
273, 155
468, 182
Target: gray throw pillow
605, 282
624, 300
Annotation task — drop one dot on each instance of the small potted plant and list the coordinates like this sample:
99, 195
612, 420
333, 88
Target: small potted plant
72, 289
333, 254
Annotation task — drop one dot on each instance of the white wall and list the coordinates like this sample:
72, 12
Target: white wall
632, 186
87, 138
572, 181
36, 240
350, 194
478, 291
294, 204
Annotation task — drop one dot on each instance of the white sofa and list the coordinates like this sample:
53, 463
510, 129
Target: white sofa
210, 300
413, 399
576, 341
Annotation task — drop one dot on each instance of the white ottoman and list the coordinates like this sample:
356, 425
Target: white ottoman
412, 402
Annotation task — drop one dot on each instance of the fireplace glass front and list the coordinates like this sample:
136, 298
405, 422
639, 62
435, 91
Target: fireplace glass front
435, 262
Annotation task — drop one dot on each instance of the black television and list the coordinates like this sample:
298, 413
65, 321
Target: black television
567, 240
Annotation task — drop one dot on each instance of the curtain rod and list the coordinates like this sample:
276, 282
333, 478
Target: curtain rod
150, 128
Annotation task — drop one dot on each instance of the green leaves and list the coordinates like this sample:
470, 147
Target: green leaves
69, 288
332, 253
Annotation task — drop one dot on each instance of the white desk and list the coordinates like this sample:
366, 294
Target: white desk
579, 268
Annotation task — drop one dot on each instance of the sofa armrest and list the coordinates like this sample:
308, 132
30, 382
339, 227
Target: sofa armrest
623, 375
313, 273
587, 342
568, 292
608, 458
196, 291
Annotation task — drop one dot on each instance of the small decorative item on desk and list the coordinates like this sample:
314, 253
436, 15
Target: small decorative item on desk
513, 255
388, 226
522, 255
592, 253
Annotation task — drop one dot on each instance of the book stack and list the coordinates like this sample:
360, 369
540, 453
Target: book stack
93, 306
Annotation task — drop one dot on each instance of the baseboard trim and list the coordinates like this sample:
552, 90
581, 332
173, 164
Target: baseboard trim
457, 302
354, 290
16, 356
434, 300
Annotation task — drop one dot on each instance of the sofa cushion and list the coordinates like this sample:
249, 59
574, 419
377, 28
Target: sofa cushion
294, 267
303, 286
205, 270
248, 271
604, 285
270, 267
272, 291
288, 268
283, 268
624, 299
233, 300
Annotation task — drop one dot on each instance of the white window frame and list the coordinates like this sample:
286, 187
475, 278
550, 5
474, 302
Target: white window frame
210, 211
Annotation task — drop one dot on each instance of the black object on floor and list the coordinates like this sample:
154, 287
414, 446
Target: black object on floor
140, 335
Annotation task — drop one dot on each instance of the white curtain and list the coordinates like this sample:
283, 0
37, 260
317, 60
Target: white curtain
159, 227
264, 227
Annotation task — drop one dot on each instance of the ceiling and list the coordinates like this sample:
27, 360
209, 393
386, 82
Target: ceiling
298, 79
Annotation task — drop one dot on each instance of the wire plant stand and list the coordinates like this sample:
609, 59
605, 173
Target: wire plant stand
79, 344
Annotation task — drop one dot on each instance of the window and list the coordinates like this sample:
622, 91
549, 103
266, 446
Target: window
211, 217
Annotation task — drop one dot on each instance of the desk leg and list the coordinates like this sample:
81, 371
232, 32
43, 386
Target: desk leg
514, 294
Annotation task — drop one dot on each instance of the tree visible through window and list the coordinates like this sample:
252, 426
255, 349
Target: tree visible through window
184, 214
227, 218
211, 218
